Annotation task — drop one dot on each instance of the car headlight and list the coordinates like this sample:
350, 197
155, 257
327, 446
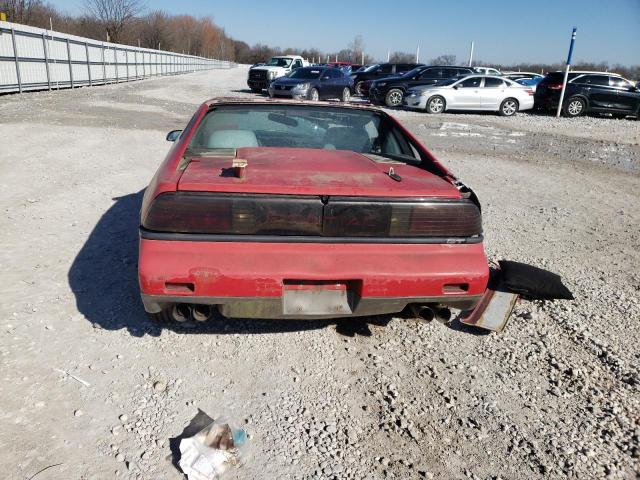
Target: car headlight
272, 74
303, 86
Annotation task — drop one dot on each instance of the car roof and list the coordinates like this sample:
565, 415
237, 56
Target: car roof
443, 66
271, 101
481, 75
591, 72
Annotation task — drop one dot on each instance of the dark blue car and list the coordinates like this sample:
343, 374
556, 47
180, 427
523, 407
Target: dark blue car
313, 83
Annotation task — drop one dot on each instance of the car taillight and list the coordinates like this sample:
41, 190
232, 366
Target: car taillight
194, 212
234, 214
529, 91
353, 218
554, 86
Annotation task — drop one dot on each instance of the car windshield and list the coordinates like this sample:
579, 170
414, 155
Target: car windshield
306, 73
279, 62
299, 126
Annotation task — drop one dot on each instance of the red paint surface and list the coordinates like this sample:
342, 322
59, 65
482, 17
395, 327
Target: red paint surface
259, 269
307, 171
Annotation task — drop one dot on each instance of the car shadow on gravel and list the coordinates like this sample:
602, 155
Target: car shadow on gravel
104, 279
103, 276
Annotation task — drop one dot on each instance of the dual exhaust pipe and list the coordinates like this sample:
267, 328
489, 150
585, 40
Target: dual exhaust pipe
181, 312
427, 313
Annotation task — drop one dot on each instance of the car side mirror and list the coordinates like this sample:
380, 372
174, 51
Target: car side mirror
173, 135
456, 87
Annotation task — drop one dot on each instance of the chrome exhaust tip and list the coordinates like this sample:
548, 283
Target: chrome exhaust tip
423, 312
202, 313
443, 314
181, 312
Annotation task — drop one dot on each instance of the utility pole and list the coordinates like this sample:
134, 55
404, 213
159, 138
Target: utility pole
418, 54
471, 54
388, 55
362, 62
566, 72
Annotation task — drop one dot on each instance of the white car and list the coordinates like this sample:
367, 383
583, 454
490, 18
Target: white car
487, 70
473, 92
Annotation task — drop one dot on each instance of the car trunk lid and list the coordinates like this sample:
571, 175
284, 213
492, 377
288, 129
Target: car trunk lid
304, 171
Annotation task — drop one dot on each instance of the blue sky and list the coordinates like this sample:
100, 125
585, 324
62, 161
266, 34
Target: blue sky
504, 31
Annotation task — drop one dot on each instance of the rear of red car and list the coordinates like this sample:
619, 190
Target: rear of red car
304, 232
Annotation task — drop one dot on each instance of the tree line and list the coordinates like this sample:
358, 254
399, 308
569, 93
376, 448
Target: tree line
130, 23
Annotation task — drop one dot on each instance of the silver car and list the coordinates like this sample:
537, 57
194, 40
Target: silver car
473, 92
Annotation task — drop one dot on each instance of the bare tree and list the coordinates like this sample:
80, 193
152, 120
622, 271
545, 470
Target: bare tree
115, 15
356, 49
154, 30
443, 60
19, 11
402, 57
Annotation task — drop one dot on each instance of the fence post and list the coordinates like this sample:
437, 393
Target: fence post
115, 61
70, 66
126, 59
15, 55
46, 59
86, 51
135, 59
104, 68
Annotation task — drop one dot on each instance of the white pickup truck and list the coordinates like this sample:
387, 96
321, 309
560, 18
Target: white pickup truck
260, 77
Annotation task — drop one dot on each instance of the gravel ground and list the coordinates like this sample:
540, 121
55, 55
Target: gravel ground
93, 390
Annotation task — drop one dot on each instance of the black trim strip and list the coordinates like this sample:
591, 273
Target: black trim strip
207, 237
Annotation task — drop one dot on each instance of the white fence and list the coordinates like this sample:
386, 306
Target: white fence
34, 59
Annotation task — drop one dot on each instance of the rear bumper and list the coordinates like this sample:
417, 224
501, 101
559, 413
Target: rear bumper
526, 104
249, 279
546, 101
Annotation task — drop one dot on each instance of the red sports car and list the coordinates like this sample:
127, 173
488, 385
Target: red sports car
279, 209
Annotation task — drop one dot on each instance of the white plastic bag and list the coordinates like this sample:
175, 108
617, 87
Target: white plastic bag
210, 453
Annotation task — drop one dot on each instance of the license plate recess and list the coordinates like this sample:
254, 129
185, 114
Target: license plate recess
305, 297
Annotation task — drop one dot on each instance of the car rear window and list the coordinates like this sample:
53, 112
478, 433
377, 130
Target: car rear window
493, 83
299, 126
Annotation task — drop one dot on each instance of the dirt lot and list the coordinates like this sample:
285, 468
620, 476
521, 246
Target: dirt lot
556, 395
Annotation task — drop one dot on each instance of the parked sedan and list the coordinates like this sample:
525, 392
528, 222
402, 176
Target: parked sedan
376, 72
488, 71
305, 210
474, 92
597, 92
389, 91
313, 83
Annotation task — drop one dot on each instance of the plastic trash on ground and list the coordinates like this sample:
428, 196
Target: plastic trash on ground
211, 452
